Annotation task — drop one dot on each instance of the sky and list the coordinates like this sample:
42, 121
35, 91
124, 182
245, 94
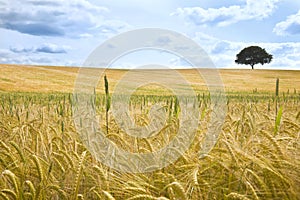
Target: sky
65, 32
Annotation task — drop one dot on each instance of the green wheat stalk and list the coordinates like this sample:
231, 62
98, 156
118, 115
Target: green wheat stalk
107, 97
276, 95
277, 120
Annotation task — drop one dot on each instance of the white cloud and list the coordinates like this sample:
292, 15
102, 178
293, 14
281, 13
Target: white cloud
228, 15
44, 48
10, 57
13, 58
51, 48
109, 27
223, 52
71, 18
291, 26
179, 62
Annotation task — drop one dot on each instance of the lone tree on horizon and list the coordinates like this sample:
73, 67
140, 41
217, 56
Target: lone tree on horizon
253, 55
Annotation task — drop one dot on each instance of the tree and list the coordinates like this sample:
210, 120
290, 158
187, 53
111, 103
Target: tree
253, 55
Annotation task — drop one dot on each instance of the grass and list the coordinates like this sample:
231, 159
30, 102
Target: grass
257, 155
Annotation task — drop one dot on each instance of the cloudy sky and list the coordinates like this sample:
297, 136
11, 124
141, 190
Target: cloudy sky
65, 32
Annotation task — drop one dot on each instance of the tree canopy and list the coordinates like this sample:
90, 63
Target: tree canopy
253, 55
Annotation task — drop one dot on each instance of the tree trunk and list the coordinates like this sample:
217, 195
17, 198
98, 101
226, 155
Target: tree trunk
252, 66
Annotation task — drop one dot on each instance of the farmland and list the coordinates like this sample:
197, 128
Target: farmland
15, 78
42, 156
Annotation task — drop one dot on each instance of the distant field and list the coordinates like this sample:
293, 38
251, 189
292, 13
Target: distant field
61, 79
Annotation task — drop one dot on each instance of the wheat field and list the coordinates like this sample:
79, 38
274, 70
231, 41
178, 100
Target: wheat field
257, 154
26, 78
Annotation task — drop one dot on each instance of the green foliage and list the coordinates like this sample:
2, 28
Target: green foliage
107, 93
253, 55
277, 87
278, 120
107, 101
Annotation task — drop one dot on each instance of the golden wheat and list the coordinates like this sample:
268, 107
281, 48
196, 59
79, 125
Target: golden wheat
42, 155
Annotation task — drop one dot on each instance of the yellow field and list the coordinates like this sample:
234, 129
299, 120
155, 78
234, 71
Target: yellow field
50, 139
61, 79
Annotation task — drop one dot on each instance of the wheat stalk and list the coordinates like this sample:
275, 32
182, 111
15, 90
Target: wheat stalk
273, 141
107, 97
178, 189
4, 196
78, 176
234, 195
108, 195
32, 188
252, 190
142, 197
14, 180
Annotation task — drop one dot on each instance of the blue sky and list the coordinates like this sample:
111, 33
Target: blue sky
65, 32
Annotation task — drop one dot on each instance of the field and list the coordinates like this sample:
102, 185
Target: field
42, 156
61, 79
